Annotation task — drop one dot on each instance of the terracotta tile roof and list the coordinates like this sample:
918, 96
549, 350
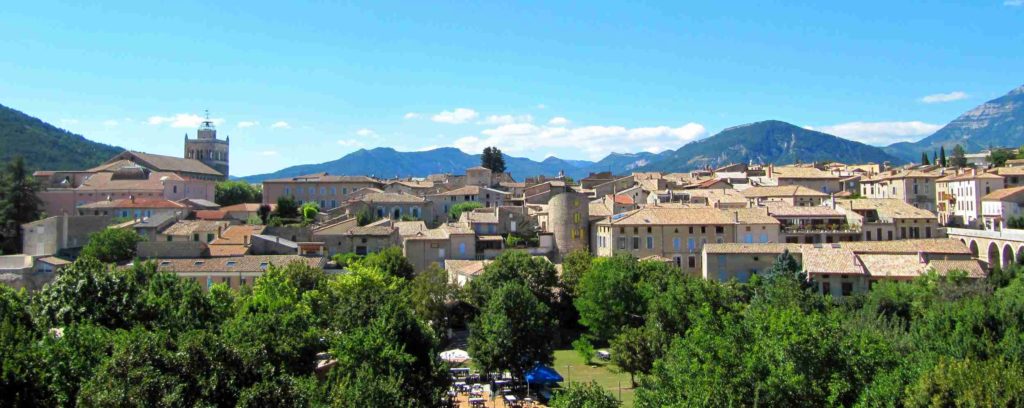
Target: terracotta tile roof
828, 260
157, 162
323, 178
487, 216
887, 208
971, 266
893, 265
1005, 194
211, 214
784, 209
623, 199
967, 175
406, 228
236, 234
937, 246
380, 227
374, 198
247, 263
781, 191
902, 174
801, 172
106, 181
442, 232
134, 203
465, 267
741, 248
189, 227
245, 207
652, 215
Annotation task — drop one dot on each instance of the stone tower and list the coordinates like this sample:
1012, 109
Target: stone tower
569, 221
207, 148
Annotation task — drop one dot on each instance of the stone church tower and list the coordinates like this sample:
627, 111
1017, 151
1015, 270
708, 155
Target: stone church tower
207, 148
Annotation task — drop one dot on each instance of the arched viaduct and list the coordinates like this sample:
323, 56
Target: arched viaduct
994, 247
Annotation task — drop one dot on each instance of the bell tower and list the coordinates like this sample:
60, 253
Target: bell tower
207, 148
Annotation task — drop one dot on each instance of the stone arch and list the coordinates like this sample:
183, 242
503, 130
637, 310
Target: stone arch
416, 212
992, 255
974, 249
964, 241
1020, 255
1007, 259
396, 213
380, 212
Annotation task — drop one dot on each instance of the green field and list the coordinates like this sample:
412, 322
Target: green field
571, 367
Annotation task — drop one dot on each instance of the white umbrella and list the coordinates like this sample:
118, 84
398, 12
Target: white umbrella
455, 356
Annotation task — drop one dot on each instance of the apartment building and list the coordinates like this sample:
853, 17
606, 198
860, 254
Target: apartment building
328, 191
812, 225
999, 206
958, 196
843, 269
887, 219
795, 195
234, 271
448, 241
913, 187
680, 233
805, 176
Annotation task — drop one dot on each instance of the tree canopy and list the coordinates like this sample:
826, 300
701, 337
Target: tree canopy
493, 159
231, 192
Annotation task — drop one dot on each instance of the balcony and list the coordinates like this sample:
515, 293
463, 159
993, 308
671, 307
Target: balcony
843, 228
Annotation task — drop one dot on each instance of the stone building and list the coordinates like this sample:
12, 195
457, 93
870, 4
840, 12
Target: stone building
207, 148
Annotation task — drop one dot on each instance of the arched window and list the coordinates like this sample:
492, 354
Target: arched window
416, 212
396, 213
380, 211
462, 248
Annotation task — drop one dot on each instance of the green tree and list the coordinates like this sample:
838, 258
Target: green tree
967, 383
287, 207
537, 273
924, 158
364, 217
942, 156
19, 203
583, 395
82, 293
609, 298
112, 245
959, 157
584, 349
309, 210
636, 349
493, 159
513, 332
391, 261
998, 157
935, 157
345, 259
231, 192
430, 293
574, 266
264, 213
455, 212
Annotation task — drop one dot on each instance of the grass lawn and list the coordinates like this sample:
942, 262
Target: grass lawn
571, 367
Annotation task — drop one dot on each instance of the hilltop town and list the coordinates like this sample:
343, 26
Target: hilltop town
851, 224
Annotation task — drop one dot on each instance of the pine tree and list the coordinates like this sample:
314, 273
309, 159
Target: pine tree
19, 204
492, 159
924, 158
935, 157
959, 156
942, 156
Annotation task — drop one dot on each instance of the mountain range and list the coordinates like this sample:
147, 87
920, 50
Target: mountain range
999, 122
46, 146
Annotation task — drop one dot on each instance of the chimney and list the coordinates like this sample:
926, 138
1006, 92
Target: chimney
833, 198
131, 197
771, 170
245, 240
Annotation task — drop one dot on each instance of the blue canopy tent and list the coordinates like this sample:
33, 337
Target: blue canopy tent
542, 374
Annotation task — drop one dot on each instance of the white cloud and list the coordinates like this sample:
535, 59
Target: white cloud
110, 123
280, 125
506, 119
1013, 3
945, 97
427, 148
541, 106
411, 115
558, 121
181, 120
248, 124
350, 142
457, 116
364, 132
880, 133
595, 141
268, 153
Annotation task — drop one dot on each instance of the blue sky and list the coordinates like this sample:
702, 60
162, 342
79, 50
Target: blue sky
295, 83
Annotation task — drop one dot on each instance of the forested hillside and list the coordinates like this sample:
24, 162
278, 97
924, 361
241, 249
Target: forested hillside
46, 147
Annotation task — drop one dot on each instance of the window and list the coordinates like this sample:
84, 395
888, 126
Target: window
691, 230
636, 242
826, 288
650, 242
169, 238
691, 244
847, 288
764, 237
691, 261
195, 237
748, 238
622, 242
323, 190
719, 229
209, 237
334, 191
462, 248
703, 230
677, 244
